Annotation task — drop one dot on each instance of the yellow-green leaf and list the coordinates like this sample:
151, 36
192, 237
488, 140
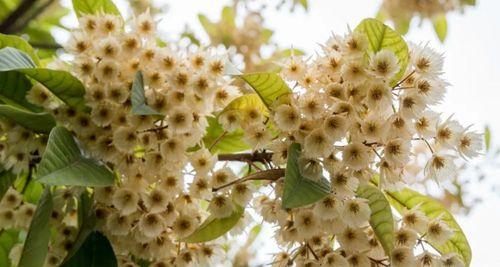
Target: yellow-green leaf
487, 138
18, 43
268, 85
409, 199
83, 7
440, 27
213, 228
381, 36
246, 102
381, 218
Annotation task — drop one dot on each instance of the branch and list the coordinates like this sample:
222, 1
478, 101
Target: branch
23, 7
34, 14
247, 157
269, 175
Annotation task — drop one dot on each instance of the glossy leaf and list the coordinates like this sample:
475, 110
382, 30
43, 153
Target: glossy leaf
440, 27
61, 83
82, 7
381, 218
63, 164
139, 106
20, 44
13, 88
96, 251
213, 228
300, 190
230, 143
38, 122
408, 199
36, 244
380, 36
269, 86
6, 180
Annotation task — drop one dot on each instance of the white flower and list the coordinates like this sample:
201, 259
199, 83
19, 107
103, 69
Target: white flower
384, 64
317, 144
356, 156
328, 207
397, 152
356, 212
427, 259
470, 144
353, 239
451, 260
402, 257
440, 167
334, 259
426, 61
221, 206
125, 200
293, 68
335, 126
426, 124
405, 237
415, 219
448, 132
344, 184
287, 118
438, 232
151, 225
257, 136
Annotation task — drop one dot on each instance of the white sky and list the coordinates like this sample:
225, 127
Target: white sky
472, 52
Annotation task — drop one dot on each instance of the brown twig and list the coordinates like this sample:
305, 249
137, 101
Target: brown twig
45, 45
245, 157
269, 175
312, 251
404, 79
18, 27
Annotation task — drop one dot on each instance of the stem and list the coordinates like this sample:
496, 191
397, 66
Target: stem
404, 79
45, 45
34, 14
270, 175
312, 251
28, 178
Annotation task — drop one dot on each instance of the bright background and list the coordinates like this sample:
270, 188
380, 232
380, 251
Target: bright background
472, 66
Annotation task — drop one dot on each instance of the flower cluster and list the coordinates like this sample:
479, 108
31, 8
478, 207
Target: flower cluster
354, 118
356, 115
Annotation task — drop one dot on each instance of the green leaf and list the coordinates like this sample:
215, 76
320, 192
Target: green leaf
38, 122
213, 228
380, 36
470, 2
8, 238
13, 89
381, 218
228, 16
82, 7
20, 44
440, 27
487, 138
245, 102
230, 143
96, 251
64, 85
139, 106
6, 180
63, 164
36, 244
299, 190
409, 199
209, 27
86, 223
268, 85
